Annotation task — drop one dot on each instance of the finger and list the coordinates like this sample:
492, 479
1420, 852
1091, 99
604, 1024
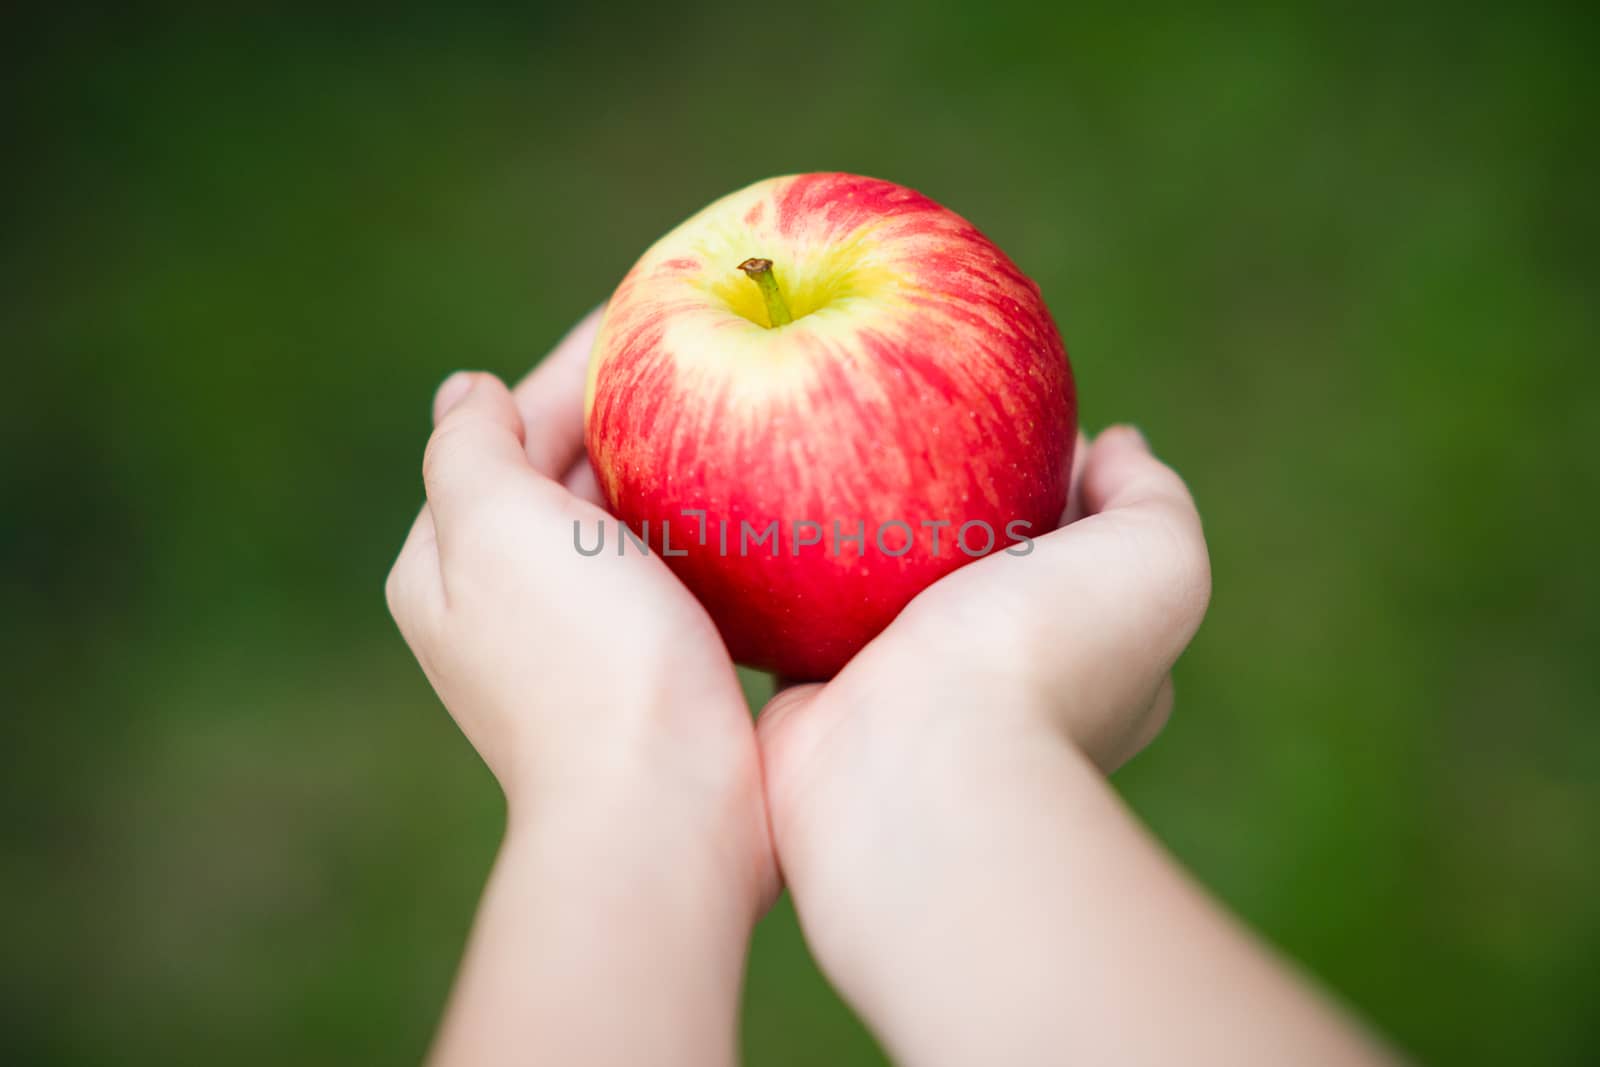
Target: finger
1135, 570
1120, 471
1144, 530
785, 703
550, 399
414, 587
475, 449
449, 393
1080, 456
1148, 726
1156, 719
581, 483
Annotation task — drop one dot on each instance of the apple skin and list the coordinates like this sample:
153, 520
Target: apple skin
921, 381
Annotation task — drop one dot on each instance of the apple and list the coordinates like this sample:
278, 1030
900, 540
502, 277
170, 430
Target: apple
816, 397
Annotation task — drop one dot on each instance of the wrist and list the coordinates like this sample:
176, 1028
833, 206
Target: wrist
882, 756
682, 830
602, 937
874, 809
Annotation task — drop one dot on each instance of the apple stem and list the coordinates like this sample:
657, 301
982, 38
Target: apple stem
760, 272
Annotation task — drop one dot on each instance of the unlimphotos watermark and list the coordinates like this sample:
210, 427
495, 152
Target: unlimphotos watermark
892, 538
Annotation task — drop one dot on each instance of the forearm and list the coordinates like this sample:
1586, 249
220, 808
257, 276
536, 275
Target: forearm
596, 946
1004, 907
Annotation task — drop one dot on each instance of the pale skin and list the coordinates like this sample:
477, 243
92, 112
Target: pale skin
963, 872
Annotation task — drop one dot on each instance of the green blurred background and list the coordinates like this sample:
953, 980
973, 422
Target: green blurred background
1340, 267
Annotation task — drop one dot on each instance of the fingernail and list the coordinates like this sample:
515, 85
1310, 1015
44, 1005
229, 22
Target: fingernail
451, 392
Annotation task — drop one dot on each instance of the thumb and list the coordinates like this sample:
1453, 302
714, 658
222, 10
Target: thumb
476, 446
1143, 542
1135, 572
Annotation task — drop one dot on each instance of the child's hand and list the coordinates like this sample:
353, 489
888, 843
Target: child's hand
962, 871
1074, 639
600, 695
901, 793
565, 672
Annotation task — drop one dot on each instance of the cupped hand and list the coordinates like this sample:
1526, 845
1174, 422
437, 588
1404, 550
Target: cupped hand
1072, 643
1079, 633
594, 687
961, 869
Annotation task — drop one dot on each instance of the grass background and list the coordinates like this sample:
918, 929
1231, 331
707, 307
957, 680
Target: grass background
1340, 267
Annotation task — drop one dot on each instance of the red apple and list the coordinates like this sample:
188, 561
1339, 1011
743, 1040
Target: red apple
835, 355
